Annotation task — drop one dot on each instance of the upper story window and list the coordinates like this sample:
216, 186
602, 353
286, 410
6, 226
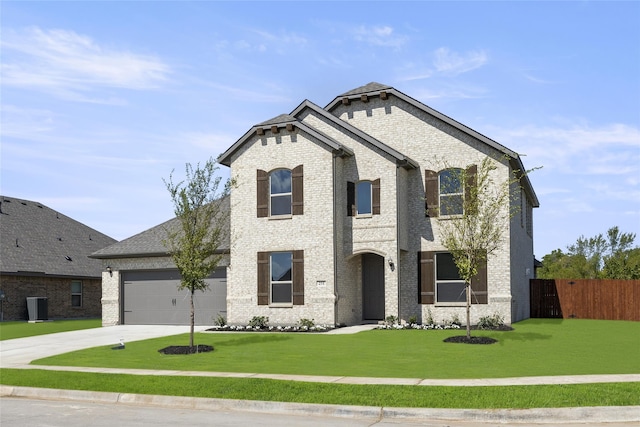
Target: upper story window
448, 192
280, 192
451, 191
363, 198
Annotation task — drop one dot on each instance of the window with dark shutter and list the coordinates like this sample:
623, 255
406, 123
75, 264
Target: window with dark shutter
351, 199
281, 278
297, 190
431, 193
298, 277
263, 278
470, 191
479, 285
375, 196
262, 185
426, 277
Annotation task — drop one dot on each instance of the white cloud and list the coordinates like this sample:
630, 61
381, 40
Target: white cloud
378, 36
71, 65
442, 64
453, 63
578, 148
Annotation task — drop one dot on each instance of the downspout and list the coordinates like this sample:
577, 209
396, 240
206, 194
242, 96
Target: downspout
335, 243
398, 239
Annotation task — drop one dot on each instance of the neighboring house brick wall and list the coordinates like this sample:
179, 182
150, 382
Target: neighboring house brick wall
57, 290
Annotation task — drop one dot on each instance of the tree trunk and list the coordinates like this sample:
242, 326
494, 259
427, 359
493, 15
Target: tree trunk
468, 291
192, 318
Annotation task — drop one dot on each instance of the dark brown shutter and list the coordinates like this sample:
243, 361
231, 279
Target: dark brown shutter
297, 190
479, 285
431, 193
351, 199
298, 277
263, 193
470, 192
263, 278
375, 197
426, 277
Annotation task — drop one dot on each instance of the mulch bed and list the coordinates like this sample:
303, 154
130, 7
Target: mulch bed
462, 339
185, 349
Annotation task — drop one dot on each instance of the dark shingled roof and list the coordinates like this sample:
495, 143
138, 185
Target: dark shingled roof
149, 242
37, 240
282, 118
369, 87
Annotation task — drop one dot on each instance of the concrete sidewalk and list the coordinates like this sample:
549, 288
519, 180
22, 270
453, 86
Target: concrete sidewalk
18, 353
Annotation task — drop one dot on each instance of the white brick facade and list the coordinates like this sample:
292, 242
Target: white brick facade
355, 267
375, 130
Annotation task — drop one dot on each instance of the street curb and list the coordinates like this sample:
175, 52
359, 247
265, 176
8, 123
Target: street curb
594, 414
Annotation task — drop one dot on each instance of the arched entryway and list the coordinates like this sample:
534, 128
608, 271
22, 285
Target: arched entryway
372, 287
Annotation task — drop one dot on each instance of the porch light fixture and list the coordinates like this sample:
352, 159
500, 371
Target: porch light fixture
109, 270
392, 266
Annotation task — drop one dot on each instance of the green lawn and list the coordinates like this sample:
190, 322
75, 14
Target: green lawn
535, 347
11, 330
544, 396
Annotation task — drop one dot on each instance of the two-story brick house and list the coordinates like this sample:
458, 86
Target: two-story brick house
328, 218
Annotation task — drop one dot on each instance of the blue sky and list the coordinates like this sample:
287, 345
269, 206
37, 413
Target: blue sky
101, 100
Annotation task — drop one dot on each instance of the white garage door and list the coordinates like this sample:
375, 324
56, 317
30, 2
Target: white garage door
152, 298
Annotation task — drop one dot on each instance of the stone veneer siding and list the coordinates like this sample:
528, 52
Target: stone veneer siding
57, 290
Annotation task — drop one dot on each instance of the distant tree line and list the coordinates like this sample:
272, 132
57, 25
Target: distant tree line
610, 256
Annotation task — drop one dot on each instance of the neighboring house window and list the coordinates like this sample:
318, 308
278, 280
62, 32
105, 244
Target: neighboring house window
76, 293
447, 191
280, 192
451, 192
363, 198
281, 278
440, 283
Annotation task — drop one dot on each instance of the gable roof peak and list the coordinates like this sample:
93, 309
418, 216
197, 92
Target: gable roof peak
282, 118
369, 87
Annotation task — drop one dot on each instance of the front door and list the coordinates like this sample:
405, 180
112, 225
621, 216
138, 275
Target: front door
372, 287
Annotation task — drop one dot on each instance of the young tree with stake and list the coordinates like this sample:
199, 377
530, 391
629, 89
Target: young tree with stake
202, 214
475, 230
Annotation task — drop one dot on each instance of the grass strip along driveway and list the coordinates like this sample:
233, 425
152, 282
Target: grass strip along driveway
21, 329
536, 347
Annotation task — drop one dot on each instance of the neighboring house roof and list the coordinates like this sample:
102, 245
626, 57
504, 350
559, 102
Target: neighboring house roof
149, 243
37, 240
377, 89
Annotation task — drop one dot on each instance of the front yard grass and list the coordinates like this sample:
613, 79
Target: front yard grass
543, 396
537, 347
21, 329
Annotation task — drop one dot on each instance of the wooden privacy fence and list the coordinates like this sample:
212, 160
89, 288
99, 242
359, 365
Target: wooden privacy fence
585, 299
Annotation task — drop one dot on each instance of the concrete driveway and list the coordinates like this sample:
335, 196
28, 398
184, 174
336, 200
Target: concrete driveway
22, 351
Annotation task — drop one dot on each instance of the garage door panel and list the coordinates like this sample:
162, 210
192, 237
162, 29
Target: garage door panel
152, 297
